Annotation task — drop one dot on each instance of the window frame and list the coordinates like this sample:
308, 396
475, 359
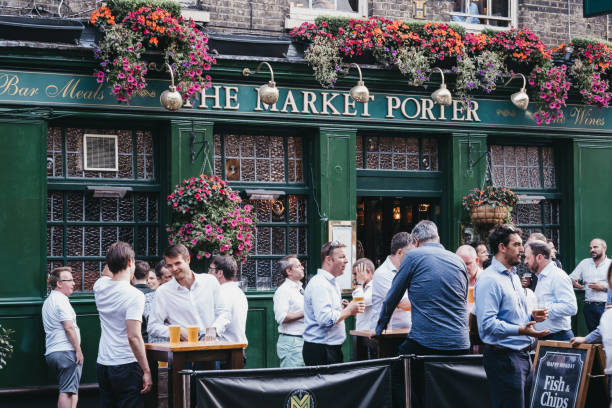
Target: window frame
512, 19
298, 15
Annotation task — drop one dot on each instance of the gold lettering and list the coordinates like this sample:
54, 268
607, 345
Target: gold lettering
289, 100
258, 108
366, 113
215, 96
9, 85
393, 102
327, 103
231, 96
349, 103
426, 107
309, 99
417, 106
457, 109
442, 115
472, 111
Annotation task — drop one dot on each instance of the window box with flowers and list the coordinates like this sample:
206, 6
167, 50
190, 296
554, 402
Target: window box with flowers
147, 28
490, 205
208, 218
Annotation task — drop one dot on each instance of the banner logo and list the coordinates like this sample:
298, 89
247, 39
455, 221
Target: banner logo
301, 399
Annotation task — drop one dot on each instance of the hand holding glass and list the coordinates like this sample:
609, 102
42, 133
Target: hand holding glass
211, 334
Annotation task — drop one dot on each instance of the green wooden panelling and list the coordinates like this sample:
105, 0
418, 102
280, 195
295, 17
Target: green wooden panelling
592, 194
23, 207
467, 154
181, 166
399, 183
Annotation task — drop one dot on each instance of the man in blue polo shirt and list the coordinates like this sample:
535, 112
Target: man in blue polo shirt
505, 324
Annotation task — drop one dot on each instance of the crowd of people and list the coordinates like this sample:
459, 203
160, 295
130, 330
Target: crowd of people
421, 286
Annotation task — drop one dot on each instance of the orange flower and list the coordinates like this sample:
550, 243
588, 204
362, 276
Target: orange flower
154, 40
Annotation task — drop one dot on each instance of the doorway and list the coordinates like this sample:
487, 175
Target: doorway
379, 218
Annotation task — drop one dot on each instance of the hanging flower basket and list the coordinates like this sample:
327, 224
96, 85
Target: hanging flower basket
486, 214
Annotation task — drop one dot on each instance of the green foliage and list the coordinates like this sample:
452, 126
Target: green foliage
582, 42
6, 348
325, 59
333, 23
418, 26
120, 8
490, 195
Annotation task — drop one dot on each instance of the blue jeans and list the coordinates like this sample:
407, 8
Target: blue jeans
592, 314
564, 335
509, 376
120, 385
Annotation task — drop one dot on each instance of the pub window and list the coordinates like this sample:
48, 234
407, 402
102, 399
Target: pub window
270, 163
309, 10
479, 14
529, 171
80, 224
396, 153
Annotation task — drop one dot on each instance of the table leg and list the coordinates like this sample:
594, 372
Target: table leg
152, 396
176, 363
237, 359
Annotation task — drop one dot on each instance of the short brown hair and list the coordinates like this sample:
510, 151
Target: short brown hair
118, 256
141, 270
328, 247
55, 275
176, 250
285, 263
227, 265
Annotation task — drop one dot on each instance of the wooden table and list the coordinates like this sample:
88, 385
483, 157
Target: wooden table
178, 355
386, 344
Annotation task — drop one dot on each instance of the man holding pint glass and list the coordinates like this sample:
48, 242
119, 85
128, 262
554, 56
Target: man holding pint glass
505, 324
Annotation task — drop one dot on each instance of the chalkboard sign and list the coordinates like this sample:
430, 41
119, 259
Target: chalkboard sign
563, 374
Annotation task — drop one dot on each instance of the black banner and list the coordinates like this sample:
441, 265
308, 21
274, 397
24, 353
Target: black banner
350, 385
557, 378
454, 381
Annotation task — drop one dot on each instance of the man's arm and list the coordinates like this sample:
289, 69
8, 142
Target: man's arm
281, 309
565, 304
157, 315
399, 286
138, 348
73, 339
576, 275
223, 311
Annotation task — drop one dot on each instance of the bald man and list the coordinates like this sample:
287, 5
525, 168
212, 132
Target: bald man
468, 254
593, 274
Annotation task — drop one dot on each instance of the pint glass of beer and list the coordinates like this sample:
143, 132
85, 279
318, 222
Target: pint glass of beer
174, 334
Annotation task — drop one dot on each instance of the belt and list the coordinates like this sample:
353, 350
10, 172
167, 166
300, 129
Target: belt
506, 349
595, 303
291, 335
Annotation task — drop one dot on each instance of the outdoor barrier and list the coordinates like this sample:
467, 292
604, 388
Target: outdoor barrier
434, 381
347, 385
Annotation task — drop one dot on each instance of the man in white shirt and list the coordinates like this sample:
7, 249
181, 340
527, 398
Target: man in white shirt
324, 311
188, 300
554, 292
62, 336
593, 273
401, 243
123, 371
363, 270
289, 312
224, 269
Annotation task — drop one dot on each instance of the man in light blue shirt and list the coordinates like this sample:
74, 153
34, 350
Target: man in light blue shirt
324, 311
554, 292
504, 323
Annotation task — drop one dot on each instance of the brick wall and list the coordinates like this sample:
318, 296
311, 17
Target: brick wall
547, 18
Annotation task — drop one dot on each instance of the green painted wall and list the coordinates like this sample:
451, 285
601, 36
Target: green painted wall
179, 146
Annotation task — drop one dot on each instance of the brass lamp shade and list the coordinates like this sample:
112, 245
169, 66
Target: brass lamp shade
442, 95
360, 93
520, 99
268, 93
171, 99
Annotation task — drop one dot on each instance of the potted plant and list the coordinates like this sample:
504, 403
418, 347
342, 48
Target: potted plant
6, 348
490, 205
208, 218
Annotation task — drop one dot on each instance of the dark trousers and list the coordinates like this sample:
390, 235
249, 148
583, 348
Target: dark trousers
564, 335
509, 377
120, 385
592, 314
321, 354
408, 347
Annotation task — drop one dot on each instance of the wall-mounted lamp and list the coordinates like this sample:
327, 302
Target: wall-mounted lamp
359, 92
520, 99
397, 212
171, 99
268, 93
423, 207
442, 95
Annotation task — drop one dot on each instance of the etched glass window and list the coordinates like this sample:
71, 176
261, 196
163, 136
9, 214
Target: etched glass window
524, 167
542, 217
264, 159
81, 227
282, 229
396, 153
